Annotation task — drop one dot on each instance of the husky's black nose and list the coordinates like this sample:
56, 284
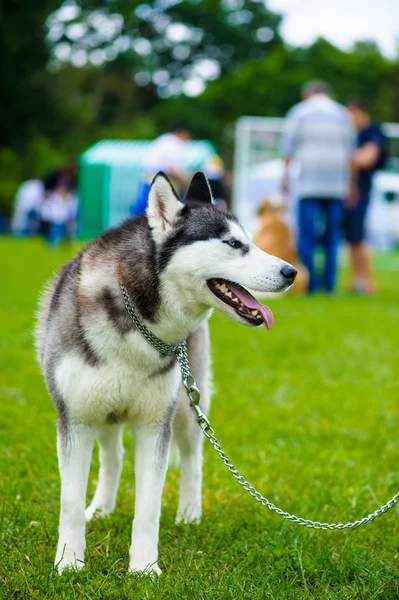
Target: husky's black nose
289, 273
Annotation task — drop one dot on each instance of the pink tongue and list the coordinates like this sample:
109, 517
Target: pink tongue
252, 303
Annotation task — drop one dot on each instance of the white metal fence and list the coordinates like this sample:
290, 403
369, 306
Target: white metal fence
258, 167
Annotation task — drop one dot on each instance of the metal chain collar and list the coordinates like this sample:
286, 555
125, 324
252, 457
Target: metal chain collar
180, 351
193, 393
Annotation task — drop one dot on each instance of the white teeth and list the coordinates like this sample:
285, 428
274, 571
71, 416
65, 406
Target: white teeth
255, 313
225, 290
222, 287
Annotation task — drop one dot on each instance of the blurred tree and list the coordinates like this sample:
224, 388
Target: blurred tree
24, 107
100, 97
77, 71
275, 82
366, 47
27, 111
174, 47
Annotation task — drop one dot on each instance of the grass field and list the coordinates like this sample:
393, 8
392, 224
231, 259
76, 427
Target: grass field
309, 412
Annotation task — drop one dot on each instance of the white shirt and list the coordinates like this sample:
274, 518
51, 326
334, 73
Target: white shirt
164, 152
320, 136
29, 197
59, 209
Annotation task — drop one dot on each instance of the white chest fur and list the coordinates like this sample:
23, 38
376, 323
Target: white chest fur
125, 385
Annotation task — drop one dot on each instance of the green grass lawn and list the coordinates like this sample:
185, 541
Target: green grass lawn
309, 412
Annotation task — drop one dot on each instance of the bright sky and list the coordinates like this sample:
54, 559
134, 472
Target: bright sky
341, 22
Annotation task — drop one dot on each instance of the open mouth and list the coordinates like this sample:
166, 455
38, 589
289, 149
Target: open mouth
244, 304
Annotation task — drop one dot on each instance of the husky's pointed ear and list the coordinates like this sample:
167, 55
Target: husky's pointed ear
199, 190
163, 205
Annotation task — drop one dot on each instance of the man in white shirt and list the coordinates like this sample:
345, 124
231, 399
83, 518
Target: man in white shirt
320, 137
165, 154
167, 151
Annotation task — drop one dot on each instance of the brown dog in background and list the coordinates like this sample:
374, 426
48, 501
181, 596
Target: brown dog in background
273, 236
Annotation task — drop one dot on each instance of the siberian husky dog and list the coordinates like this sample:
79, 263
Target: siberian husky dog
178, 262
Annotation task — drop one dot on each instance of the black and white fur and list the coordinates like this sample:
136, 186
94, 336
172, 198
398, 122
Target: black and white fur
102, 373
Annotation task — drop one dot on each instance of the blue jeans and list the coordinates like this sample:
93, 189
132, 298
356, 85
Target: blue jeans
312, 212
139, 204
56, 233
355, 220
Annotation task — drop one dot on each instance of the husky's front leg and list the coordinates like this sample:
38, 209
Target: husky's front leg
187, 432
74, 447
111, 454
190, 439
152, 445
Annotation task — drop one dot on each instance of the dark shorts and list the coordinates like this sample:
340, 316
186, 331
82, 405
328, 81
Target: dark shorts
355, 221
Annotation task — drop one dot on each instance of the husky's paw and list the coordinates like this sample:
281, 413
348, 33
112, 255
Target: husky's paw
190, 514
69, 559
150, 570
97, 510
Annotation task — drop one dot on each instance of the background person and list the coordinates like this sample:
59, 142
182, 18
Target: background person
320, 137
28, 199
369, 157
165, 153
58, 210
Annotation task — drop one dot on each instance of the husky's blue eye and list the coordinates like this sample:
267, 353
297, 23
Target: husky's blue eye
233, 243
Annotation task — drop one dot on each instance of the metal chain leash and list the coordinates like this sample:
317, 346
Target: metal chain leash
193, 393
210, 434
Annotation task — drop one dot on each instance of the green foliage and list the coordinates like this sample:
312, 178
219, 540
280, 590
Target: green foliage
10, 176
165, 42
307, 411
35, 160
25, 107
51, 109
269, 87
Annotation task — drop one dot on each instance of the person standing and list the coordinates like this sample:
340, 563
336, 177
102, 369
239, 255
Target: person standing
368, 158
28, 199
320, 137
58, 210
165, 153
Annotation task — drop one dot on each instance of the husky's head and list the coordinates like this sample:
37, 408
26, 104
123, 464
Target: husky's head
207, 259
